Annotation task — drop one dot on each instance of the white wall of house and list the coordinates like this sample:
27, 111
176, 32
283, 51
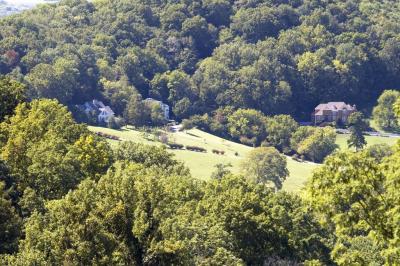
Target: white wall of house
164, 107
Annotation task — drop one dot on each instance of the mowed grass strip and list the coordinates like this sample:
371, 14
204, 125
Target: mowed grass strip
202, 165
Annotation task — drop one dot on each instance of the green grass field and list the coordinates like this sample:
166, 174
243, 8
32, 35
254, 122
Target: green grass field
341, 140
202, 165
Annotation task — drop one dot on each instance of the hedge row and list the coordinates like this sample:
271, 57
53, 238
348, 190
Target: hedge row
218, 152
107, 136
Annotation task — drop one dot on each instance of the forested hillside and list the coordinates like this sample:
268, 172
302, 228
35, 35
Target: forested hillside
238, 69
277, 56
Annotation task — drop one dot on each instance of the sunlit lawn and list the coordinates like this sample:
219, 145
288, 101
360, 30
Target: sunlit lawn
202, 165
341, 140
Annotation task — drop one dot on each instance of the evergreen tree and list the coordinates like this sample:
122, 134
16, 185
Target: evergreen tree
357, 125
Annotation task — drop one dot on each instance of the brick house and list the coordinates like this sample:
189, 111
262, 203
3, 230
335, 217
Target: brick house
332, 112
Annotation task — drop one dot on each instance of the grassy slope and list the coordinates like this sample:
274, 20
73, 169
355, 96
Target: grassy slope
202, 164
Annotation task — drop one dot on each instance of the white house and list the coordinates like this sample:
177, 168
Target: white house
103, 112
164, 107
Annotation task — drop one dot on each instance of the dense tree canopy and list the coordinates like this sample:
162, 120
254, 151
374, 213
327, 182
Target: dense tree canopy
355, 197
314, 143
11, 94
137, 216
237, 67
47, 151
273, 56
10, 222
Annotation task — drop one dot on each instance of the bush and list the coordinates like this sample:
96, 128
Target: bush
196, 149
218, 152
187, 124
115, 122
175, 146
107, 136
265, 143
249, 142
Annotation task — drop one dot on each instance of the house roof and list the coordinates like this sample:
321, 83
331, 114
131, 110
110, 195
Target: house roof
333, 106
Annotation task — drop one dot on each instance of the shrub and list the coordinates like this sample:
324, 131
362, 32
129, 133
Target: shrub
163, 138
218, 152
249, 142
187, 124
175, 146
115, 122
196, 149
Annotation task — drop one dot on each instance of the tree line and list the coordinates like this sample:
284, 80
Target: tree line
253, 128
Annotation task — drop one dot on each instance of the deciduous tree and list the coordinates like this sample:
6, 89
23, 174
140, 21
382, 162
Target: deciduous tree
383, 114
266, 165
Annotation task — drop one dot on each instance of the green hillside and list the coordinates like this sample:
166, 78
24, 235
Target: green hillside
202, 165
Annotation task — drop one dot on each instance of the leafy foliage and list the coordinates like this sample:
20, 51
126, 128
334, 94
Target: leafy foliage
266, 165
10, 223
273, 56
384, 114
228, 64
11, 94
355, 196
314, 143
136, 216
47, 151
280, 129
